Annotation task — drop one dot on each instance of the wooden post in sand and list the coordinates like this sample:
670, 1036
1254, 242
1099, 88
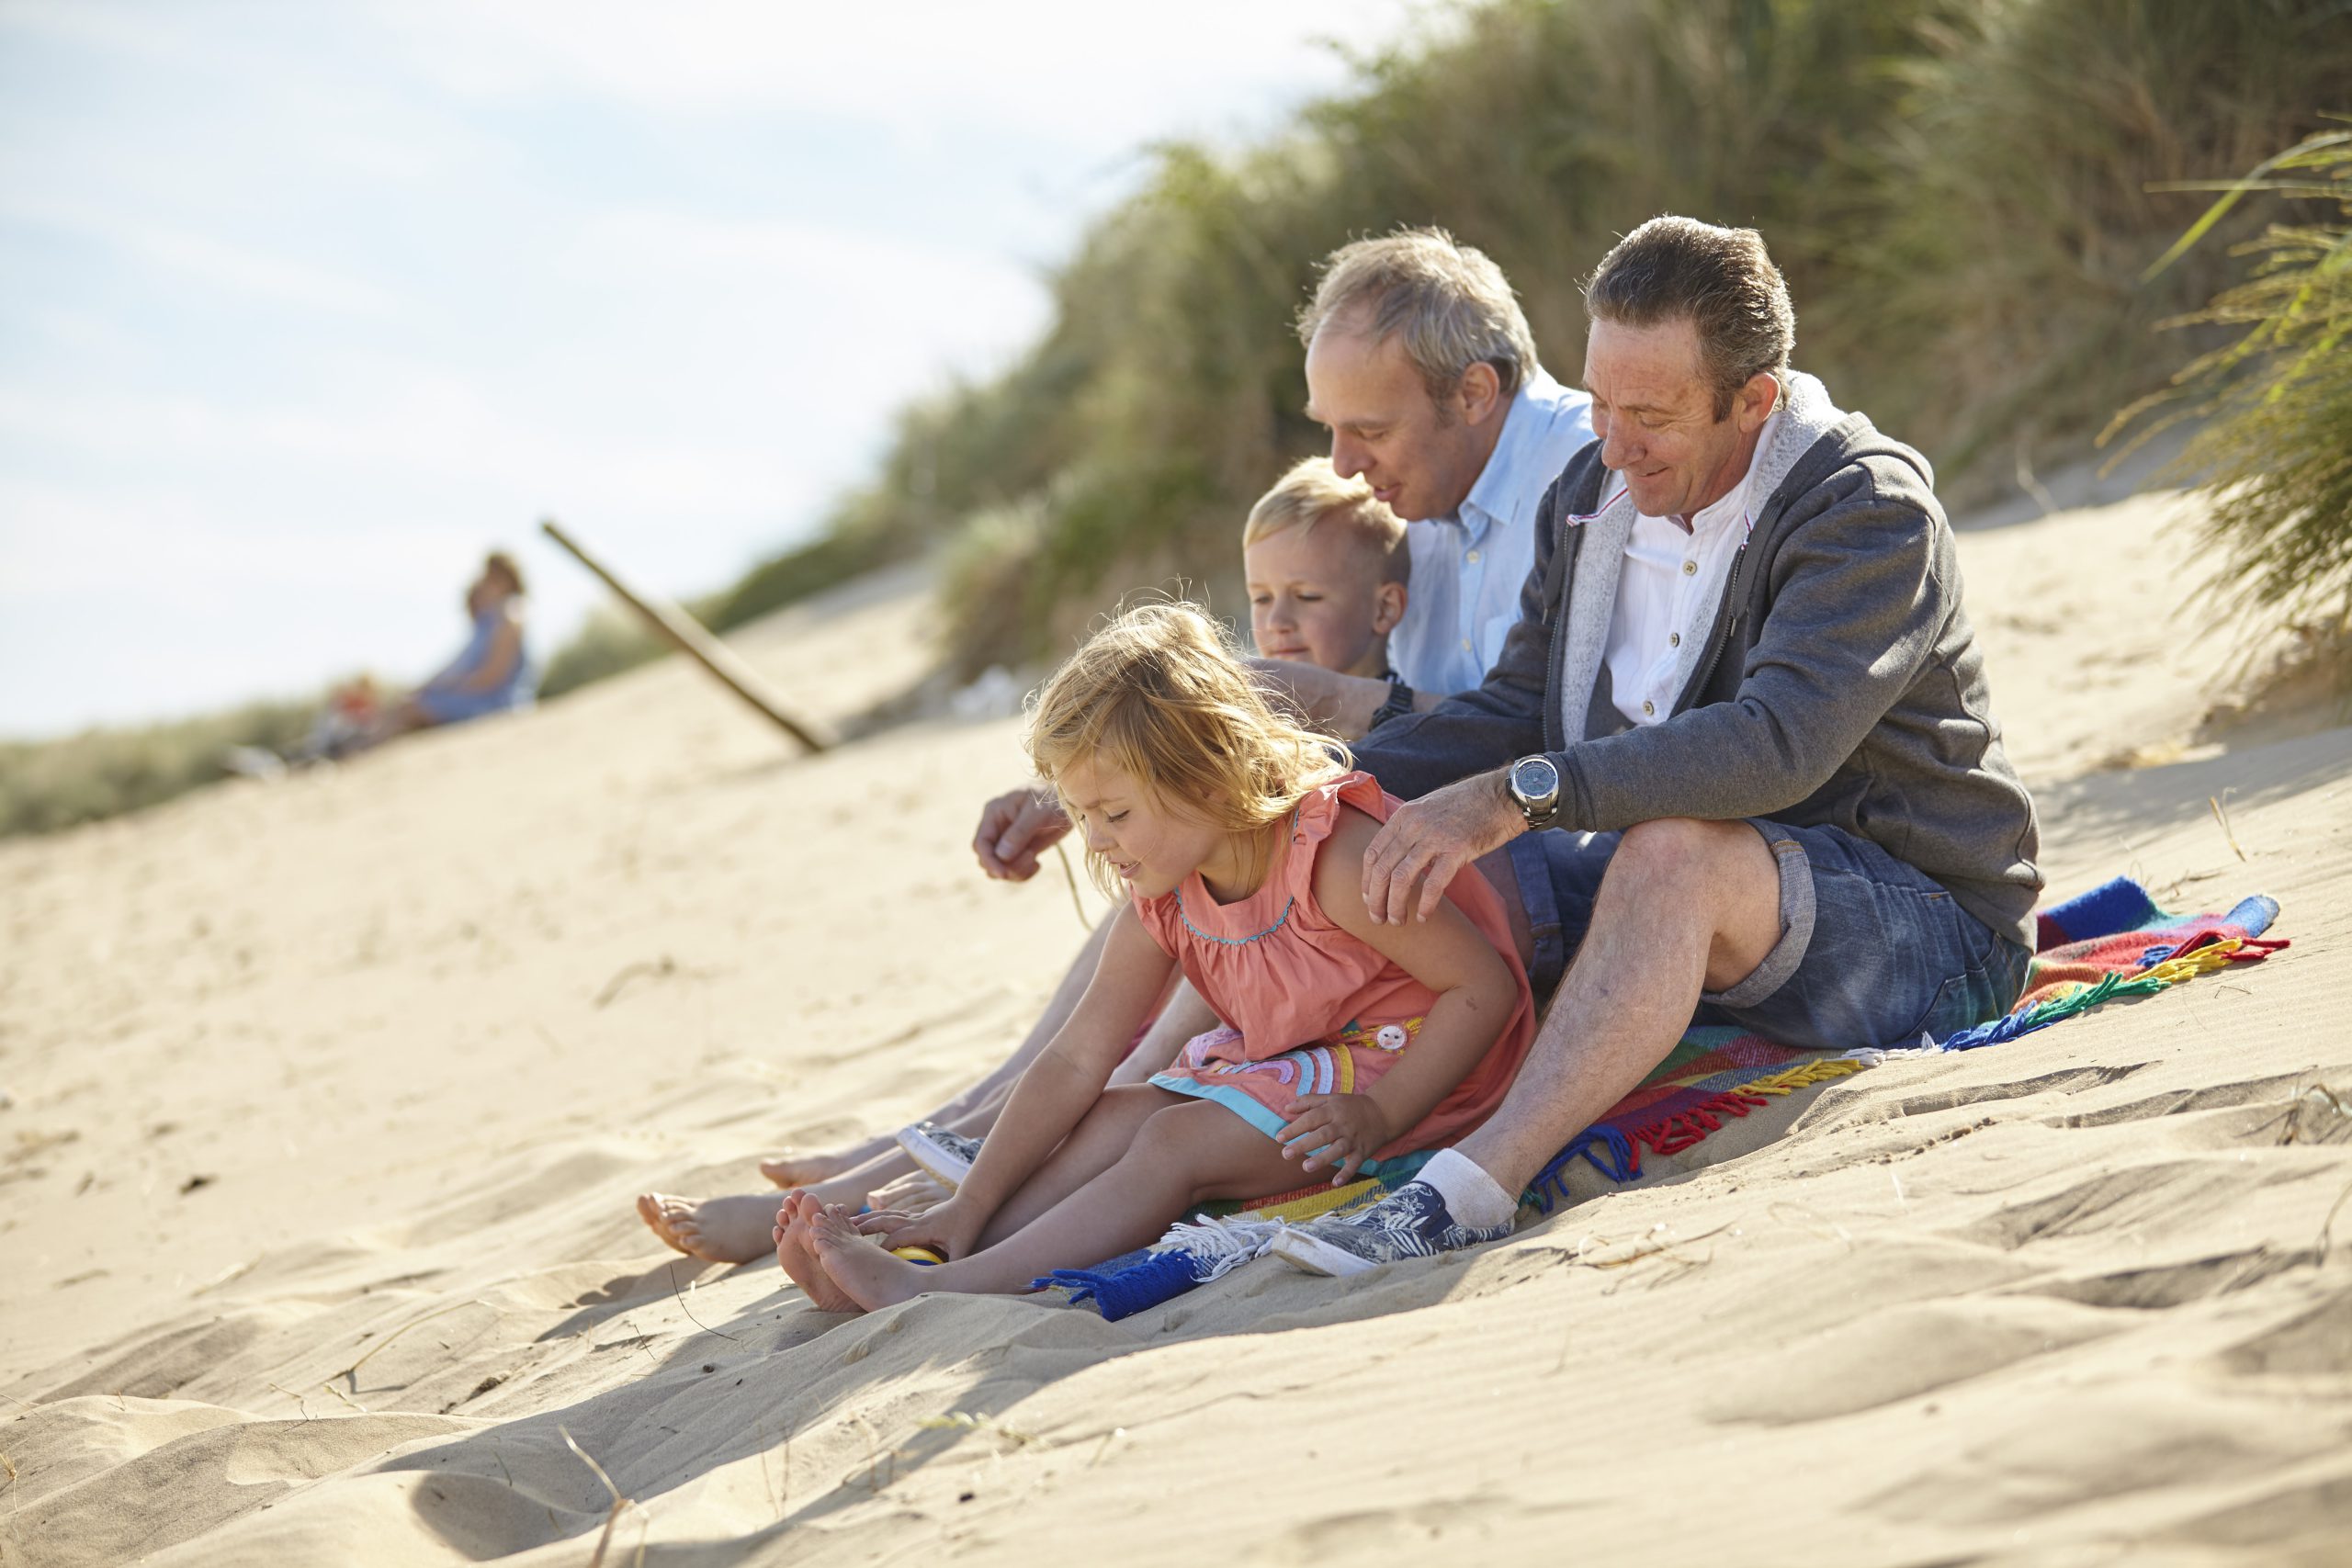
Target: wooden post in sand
687, 636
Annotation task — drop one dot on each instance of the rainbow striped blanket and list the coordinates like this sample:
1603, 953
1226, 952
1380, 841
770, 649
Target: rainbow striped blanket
2111, 941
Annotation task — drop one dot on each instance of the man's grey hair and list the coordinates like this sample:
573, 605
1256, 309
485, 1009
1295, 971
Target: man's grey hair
1449, 306
1720, 280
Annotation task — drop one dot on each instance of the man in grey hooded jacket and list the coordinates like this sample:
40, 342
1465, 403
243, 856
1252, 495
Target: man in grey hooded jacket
1738, 748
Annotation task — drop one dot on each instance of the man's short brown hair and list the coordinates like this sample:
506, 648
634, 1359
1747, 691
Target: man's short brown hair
1720, 280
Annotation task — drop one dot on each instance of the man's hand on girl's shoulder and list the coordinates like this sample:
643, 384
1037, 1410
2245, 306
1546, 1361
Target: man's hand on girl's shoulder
1426, 843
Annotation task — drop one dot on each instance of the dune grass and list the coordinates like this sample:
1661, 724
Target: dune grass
47, 785
1964, 196
2272, 404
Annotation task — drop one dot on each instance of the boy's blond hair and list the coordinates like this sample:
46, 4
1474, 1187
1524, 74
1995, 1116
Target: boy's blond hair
1160, 695
1311, 493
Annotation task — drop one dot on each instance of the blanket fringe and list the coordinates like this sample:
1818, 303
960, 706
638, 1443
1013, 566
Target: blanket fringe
2204, 959
1801, 1074
1684, 1128
1217, 1246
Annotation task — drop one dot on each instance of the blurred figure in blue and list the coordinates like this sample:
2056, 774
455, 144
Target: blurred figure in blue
492, 673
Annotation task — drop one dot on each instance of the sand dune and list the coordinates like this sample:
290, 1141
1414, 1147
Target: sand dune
328, 1097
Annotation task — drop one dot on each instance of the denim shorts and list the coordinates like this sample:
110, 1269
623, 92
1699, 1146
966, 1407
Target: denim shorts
1871, 951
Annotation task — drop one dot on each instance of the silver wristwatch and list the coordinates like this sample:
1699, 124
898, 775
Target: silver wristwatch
1534, 785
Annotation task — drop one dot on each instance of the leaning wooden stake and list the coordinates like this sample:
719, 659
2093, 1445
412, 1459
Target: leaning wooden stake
686, 635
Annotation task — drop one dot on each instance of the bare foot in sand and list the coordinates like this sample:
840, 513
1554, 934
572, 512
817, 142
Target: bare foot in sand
720, 1230
806, 1170
796, 1257
855, 1263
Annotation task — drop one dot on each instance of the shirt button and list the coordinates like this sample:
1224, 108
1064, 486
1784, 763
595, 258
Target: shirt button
1472, 558
1689, 567
1673, 640
1466, 645
1648, 710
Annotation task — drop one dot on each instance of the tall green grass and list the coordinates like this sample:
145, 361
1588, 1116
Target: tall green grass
1959, 192
2273, 403
1995, 307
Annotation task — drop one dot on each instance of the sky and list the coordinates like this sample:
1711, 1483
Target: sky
303, 307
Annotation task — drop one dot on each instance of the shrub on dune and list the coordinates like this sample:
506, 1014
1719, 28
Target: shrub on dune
2273, 405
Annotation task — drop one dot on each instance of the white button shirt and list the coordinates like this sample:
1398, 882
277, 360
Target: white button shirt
1667, 591
1468, 568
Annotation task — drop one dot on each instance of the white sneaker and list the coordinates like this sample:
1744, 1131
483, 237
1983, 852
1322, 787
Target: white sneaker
946, 1158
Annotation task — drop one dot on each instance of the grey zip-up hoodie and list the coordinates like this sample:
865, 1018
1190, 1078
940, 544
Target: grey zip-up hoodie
1840, 683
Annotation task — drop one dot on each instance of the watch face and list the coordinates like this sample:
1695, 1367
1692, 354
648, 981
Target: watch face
1534, 779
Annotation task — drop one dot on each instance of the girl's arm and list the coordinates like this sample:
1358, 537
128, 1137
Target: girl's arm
1475, 996
1066, 1079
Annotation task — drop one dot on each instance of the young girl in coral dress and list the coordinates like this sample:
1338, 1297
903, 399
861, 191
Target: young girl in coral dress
1238, 838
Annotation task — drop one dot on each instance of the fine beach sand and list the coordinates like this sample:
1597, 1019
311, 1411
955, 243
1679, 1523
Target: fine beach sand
328, 1098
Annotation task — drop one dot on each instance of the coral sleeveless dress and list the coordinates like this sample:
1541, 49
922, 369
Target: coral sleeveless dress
1309, 1009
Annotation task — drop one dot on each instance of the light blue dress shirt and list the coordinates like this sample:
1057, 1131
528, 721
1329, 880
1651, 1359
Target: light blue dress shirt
1468, 568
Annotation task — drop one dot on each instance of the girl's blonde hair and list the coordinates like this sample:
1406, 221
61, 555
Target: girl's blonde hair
1159, 694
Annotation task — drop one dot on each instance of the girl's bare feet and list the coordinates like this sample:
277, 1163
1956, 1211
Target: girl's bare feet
720, 1230
855, 1264
796, 1257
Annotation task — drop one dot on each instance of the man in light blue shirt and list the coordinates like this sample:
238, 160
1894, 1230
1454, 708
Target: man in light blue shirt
1421, 365
1468, 565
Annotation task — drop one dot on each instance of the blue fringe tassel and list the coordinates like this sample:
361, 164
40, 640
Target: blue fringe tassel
1124, 1286
1611, 1151
1999, 1032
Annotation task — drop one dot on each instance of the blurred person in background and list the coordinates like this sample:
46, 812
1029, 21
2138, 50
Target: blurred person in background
492, 673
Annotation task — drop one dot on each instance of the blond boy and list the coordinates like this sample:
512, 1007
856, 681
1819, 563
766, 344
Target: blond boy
1326, 564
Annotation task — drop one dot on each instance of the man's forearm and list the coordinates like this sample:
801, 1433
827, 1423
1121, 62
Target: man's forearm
1343, 704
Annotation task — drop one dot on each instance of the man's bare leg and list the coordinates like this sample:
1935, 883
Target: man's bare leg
1685, 907
983, 1099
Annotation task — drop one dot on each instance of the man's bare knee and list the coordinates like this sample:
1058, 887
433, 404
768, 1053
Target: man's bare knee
1679, 852
1719, 877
